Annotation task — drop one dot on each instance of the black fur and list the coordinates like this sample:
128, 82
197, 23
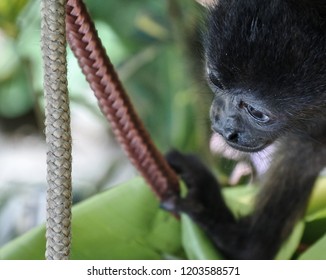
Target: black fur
266, 64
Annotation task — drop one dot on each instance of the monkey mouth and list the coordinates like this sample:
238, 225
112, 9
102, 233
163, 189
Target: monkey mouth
231, 150
220, 145
260, 160
247, 149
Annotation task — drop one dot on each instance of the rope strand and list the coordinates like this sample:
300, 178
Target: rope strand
58, 137
114, 102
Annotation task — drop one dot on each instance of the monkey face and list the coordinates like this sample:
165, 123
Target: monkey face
244, 123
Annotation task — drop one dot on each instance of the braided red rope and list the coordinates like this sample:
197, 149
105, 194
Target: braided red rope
114, 102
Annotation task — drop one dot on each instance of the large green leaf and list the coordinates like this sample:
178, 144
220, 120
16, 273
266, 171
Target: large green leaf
122, 223
126, 223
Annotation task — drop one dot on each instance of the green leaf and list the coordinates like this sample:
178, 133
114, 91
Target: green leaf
122, 223
240, 199
126, 223
291, 244
316, 251
196, 244
30, 246
315, 228
318, 215
318, 197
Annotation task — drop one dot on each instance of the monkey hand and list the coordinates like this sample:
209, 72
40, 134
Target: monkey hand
203, 189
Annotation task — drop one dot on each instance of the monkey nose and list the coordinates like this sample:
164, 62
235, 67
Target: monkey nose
231, 135
228, 134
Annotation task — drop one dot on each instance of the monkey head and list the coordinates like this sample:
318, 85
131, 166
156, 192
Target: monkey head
266, 67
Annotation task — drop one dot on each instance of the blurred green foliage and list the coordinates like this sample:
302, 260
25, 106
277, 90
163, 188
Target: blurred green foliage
145, 41
9, 11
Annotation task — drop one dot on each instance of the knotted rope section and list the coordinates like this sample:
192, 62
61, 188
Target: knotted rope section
57, 121
114, 102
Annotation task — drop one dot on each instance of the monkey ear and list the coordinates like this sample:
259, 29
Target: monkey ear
207, 3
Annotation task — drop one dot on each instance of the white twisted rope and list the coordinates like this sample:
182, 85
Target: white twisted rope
58, 137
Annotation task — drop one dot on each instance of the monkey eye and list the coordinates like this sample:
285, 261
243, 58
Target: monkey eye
215, 80
256, 114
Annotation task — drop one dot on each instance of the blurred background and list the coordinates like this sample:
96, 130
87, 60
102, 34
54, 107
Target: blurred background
154, 46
